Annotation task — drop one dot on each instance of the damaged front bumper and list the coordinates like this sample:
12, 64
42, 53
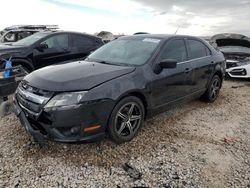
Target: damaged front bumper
37, 135
239, 71
67, 124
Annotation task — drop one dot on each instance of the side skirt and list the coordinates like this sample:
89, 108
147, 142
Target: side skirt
170, 105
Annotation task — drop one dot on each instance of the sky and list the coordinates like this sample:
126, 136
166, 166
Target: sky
192, 17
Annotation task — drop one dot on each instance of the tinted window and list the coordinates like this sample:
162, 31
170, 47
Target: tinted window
196, 49
175, 50
57, 41
82, 41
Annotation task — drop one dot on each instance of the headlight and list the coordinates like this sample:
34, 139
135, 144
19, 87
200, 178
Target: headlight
65, 99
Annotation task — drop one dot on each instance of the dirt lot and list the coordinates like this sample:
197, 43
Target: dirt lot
194, 145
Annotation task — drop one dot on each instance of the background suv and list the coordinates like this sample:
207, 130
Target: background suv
18, 32
117, 86
49, 47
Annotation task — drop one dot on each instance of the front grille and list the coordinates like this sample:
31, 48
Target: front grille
34, 90
33, 107
31, 99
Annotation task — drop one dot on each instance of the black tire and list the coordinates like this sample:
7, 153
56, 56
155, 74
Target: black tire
126, 119
213, 89
5, 108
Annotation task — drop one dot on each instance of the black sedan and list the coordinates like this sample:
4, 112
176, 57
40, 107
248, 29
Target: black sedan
49, 47
117, 87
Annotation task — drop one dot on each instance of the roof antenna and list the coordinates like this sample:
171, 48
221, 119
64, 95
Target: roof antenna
177, 30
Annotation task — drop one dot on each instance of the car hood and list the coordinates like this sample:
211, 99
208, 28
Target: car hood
75, 76
5, 49
235, 53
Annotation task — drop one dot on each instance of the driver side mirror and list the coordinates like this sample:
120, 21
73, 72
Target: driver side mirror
42, 47
168, 63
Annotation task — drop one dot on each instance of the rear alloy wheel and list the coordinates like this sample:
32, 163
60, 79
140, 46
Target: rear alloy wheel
213, 90
126, 119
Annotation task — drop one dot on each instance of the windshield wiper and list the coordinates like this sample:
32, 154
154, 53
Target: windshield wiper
98, 61
106, 62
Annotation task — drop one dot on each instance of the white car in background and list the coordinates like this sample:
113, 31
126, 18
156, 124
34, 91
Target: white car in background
236, 49
238, 69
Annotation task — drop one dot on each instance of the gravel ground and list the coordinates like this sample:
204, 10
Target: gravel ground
194, 145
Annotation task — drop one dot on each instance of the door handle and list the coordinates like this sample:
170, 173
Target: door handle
212, 62
187, 70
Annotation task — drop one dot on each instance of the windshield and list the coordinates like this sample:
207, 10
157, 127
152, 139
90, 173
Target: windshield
125, 51
235, 49
30, 39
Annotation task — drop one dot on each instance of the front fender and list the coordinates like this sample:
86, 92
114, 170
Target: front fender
117, 88
26, 63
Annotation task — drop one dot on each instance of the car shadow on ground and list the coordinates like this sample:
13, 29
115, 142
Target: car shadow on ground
162, 130
239, 80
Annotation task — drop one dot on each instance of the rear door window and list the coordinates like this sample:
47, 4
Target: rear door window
175, 49
82, 41
196, 49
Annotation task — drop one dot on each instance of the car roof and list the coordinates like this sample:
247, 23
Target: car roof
68, 32
158, 36
20, 30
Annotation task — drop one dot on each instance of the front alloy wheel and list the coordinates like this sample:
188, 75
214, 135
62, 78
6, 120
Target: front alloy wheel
126, 119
